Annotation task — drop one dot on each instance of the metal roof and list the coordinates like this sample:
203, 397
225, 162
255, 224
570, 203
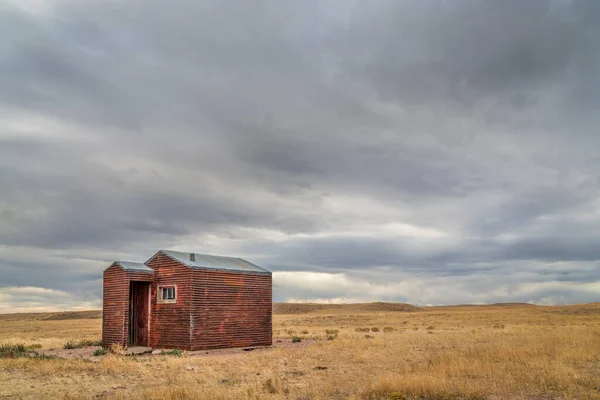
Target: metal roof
207, 261
134, 266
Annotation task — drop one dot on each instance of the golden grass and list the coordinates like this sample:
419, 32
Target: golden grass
499, 352
35, 329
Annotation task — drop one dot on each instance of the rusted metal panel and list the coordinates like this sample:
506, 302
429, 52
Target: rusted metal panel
134, 267
170, 322
115, 307
215, 263
231, 310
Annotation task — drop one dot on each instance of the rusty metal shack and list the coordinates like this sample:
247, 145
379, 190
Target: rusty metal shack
187, 301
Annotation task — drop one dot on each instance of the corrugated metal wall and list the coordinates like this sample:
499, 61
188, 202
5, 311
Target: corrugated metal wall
231, 310
115, 305
170, 323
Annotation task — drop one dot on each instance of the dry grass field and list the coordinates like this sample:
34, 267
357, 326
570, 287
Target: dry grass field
370, 351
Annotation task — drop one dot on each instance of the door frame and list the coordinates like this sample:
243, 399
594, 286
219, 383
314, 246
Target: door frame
133, 315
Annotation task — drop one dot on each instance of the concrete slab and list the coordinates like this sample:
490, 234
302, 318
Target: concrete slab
135, 350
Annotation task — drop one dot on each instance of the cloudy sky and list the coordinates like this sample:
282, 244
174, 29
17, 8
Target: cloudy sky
430, 152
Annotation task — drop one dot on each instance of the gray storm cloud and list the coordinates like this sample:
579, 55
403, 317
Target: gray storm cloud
429, 152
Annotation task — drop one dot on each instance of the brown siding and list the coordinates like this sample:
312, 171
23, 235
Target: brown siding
115, 305
115, 295
170, 323
231, 310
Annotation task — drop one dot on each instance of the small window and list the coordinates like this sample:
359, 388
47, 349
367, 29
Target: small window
167, 294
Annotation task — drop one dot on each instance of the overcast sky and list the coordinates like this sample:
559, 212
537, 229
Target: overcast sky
430, 152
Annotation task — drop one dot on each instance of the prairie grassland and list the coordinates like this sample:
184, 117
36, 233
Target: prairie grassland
38, 330
492, 352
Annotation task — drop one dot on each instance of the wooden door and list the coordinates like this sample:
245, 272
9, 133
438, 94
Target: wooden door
138, 313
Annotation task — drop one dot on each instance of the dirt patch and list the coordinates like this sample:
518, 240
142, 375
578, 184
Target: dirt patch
87, 353
82, 352
278, 343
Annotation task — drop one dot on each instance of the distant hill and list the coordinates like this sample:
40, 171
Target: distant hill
53, 316
60, 316
319, 308
514, 305
502, 305
302, 308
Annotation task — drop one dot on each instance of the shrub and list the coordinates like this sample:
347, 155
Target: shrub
430, 328
100, 351
305, 332
44, 357
269, 386
388, 329
375, 329
82, 343
362, 330
332, 331
387, 393
369, 337
174, 352
383, 394
116, 348
331, 337
21, 351
70, 345
90, 342
14, 351
296, 339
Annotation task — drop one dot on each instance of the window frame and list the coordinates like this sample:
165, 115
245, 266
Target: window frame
159, 294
